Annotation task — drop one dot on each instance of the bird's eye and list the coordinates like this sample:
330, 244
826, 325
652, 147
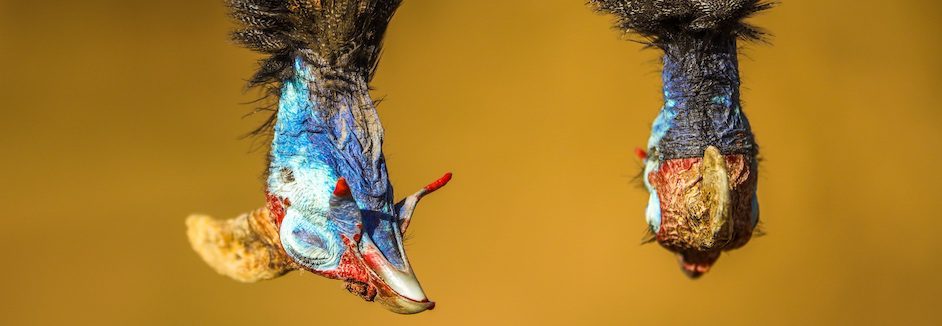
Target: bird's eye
287, 176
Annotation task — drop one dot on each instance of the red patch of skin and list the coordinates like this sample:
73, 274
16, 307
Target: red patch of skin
671, 167
670, 180
276, 206
356, 237
642, 155
342, 189
441, 182
353, 268
351, 265
665, 177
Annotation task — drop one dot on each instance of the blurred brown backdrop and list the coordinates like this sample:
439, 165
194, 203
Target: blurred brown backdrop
120, 118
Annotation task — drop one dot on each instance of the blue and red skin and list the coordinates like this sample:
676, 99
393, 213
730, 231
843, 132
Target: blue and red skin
701, 108
317, 161
352, 266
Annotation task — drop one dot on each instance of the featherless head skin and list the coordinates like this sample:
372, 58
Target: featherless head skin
700, 165
330, 202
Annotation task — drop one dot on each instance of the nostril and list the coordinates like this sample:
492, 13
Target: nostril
693, 270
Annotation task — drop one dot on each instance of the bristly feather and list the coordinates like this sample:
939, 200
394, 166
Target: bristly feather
344, 36
669, 21
341, 34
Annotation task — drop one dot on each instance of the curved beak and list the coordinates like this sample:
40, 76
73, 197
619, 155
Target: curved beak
396, 289
400, 291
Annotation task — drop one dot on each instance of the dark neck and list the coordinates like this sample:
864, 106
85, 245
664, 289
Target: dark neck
697, 73
701, 91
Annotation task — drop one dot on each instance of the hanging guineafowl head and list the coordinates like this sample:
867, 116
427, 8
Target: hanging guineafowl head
330, 206
700, 165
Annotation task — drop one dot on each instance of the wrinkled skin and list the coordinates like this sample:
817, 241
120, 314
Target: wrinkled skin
702, 206
329, 191
700, 166
701, 159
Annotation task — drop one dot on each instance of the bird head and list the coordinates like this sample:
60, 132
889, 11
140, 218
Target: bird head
340, 240
701, 206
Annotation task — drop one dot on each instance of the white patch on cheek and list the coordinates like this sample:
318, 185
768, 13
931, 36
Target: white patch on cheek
653, 212
311, 189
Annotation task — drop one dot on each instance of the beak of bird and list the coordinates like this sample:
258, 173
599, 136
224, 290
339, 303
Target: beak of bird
367, 271
376, 279
705, 207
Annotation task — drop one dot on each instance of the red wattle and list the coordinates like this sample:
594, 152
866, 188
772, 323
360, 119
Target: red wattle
276, 207
641, 153
342, 189
441, 182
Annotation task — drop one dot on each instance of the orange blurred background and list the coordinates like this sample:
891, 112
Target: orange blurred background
120, 118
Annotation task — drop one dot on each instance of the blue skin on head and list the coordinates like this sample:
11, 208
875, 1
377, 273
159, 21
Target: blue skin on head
314, 145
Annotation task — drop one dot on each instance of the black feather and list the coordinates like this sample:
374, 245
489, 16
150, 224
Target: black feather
342, 36
672, 21
265, 41
272, 70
